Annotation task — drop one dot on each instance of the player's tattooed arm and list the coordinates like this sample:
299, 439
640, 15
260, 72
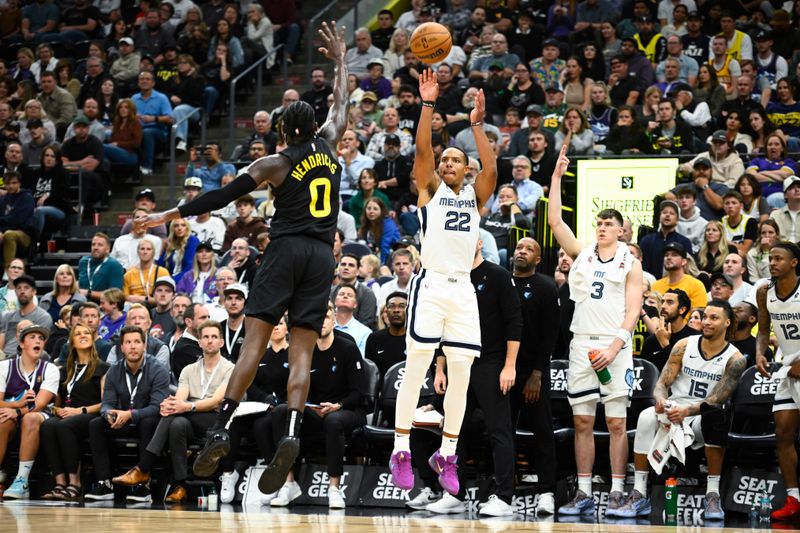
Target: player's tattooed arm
334, 49
670, 372
727, 385
764, 327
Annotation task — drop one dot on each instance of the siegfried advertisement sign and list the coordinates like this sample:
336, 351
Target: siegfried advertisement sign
627, 185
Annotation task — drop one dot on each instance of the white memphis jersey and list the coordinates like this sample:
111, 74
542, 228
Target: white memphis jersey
785, 316
602, 312
699, 375
449, 230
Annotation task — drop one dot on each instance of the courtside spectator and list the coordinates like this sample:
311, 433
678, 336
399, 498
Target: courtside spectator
25, 289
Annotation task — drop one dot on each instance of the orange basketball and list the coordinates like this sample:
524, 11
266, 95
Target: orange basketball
431, 42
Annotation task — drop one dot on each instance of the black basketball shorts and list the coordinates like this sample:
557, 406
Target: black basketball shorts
296, 274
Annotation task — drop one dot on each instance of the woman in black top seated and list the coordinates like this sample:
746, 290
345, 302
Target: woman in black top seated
51, 191
269, 388
79, 399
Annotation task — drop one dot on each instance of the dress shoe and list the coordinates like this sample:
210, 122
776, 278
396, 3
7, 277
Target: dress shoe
132, 477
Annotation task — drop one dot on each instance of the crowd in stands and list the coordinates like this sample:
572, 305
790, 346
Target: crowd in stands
144, 331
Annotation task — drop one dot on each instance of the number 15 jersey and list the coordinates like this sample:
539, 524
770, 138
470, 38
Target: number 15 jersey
449, 230
307, 202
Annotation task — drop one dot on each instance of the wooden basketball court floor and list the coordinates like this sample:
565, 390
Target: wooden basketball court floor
38, 517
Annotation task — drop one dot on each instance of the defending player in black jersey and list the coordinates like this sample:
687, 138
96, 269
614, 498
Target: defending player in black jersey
297, 270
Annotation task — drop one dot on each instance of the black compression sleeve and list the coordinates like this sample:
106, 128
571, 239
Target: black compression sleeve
219, 198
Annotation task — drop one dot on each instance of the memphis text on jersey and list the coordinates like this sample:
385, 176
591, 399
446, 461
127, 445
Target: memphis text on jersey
459, 204
313, 161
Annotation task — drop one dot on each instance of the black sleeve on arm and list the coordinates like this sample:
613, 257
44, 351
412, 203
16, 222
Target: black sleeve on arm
550, 323
511, 309
219, 198
751, 229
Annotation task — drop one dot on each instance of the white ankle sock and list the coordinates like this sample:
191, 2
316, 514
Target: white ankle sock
794, 493
448, 446
640, 481
24, 469
617, 483
585, 483
402, 442
713, 484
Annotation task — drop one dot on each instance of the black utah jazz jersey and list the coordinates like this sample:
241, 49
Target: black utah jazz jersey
307, 202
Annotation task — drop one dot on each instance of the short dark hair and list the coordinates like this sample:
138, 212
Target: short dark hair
87, 305
725, 306
733, 194
131, 329
386, 12
686, 189
12, 175
396, 294
683, 300
605, 214
347, 286
351, 255
47, 74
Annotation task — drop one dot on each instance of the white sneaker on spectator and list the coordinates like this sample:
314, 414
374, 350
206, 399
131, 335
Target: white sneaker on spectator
425, 497
288, 493
180, 146
335, 498
228, 490
547, 504
496, 507
447, 504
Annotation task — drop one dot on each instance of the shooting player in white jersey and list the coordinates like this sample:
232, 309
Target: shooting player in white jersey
443, 309
779, 308
606, 285
700, 376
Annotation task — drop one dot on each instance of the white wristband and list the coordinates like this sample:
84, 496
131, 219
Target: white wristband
624, 335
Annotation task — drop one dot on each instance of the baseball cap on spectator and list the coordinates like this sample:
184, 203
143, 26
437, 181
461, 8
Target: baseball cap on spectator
550, 42
436, 139
496, 66
724, 277
80, 119
165, 280
554, 88
763, 35
13, 126
34, 328
236, 287
780, 17
391, 138
35, 123
629, 39
168, 47
788, 182
126, 40
426, 11
205, 244
677, 248
669, 203
373, 62
369, 95
193, 182
404, 242
702, 162
646, 18
695, 15
25, 278
534, 109
719, 137
145, 193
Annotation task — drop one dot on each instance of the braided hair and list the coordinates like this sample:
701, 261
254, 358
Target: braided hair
298, 123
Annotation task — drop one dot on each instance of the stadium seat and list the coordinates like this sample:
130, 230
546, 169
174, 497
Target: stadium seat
379, 431
644, 379
356, 248
752, 424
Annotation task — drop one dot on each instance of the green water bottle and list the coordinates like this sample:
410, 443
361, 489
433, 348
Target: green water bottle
603, 375
671, 500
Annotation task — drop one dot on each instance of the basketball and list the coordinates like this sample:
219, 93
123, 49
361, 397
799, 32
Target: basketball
431, 42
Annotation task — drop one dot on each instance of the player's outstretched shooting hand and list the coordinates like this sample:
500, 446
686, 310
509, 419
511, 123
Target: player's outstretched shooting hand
333, 39
563, 161
479, 111
428, 85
